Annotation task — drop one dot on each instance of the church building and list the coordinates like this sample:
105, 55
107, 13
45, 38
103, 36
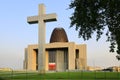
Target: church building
60, 54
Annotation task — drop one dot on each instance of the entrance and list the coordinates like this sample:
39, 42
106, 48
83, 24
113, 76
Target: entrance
58, 59
52, 59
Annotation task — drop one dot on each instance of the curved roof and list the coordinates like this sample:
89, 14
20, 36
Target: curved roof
58, 35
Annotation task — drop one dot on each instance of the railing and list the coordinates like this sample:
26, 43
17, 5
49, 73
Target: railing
72, 75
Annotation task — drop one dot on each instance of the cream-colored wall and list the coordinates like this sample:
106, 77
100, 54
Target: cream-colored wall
31, 54
71, 56
82, 55
31, 57
60, 60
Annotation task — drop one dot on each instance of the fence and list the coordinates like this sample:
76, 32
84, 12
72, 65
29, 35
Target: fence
69, 75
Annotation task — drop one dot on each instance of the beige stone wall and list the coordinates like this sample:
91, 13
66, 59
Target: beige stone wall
82, 56
71, 56
60, 60
30, 58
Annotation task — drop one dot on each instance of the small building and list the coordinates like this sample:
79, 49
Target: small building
95, 68
114, 68
61, 55
5, 69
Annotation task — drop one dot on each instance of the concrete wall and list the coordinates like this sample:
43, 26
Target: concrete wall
30, 58
60, 60
71, 56
82, 56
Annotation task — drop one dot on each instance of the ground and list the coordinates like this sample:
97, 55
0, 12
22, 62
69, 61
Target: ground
81, 75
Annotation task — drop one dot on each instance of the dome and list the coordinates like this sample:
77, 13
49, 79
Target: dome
58, 35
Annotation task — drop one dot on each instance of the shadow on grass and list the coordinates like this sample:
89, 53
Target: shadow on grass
3, 79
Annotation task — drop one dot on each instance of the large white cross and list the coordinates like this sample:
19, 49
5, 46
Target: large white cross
41, 19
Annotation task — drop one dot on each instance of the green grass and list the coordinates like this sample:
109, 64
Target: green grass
60, 76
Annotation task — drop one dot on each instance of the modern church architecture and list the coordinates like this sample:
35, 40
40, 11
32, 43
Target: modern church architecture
60, 54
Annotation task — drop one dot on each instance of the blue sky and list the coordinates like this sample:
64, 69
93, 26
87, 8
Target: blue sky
16, 33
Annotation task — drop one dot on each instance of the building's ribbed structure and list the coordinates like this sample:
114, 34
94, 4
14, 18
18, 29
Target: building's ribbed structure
58, 35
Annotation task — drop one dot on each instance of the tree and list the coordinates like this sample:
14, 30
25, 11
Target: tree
94, 16
118, 57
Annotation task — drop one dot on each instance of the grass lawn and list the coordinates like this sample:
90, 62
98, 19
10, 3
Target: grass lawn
16, 75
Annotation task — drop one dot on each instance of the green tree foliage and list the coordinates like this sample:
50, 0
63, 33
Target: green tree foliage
93, 16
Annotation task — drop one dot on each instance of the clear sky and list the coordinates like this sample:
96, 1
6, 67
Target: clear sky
16, 33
